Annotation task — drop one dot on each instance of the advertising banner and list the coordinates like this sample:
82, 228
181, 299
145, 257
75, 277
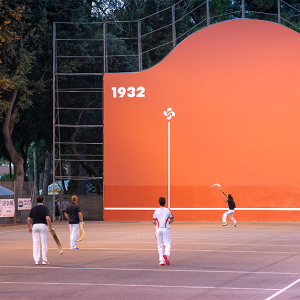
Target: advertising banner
24, 203
7, 208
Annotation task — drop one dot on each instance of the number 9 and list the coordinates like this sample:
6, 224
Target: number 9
121, 92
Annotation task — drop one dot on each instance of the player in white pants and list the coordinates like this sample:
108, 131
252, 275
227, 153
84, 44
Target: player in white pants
73, 235
39, 232
231, 206
162, 218
74, 215
40, 217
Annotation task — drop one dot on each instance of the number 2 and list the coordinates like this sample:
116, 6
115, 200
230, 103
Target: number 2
141, 91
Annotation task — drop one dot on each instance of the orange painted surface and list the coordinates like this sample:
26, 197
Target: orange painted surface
234, 88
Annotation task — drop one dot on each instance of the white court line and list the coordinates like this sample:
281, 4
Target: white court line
204, 243
185, 250
135, 285
25, 229
151, 270
283, 290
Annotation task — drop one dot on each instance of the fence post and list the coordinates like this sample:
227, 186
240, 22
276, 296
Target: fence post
53, 111
173, 26
279, 12
140, 47
207, 13
104, 48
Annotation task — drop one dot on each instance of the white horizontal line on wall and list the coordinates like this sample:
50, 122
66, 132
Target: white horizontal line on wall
207, 208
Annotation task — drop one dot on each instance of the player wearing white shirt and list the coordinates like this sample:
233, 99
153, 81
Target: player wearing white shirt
162, 218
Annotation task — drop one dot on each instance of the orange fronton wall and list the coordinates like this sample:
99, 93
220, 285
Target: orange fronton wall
234, 89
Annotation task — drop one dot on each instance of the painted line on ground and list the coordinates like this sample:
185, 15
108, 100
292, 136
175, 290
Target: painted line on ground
185, 250
281, 291
25, 229
161, 269
200, 243
136, 285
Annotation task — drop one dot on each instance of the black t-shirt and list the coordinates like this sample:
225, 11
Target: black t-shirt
73, 210
38, 214
57, 210
231, 203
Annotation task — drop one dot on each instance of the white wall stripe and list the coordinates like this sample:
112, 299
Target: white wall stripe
209, 208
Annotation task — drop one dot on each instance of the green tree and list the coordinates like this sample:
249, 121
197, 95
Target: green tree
26, 62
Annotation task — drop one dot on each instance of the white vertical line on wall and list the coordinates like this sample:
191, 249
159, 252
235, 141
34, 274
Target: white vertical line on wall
169, 113
169, 165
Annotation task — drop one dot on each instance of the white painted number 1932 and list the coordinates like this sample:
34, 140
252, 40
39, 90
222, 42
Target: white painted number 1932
130, 92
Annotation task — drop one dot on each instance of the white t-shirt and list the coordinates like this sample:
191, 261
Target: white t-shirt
162, 216
65, 205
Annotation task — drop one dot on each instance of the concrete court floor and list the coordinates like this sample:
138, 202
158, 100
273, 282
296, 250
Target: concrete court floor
119, 260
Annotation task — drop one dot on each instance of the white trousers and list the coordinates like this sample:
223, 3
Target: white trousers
163, 237
73, 235
39, 233
230, 214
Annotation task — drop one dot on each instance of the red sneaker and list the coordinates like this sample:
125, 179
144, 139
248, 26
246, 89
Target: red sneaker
166, 259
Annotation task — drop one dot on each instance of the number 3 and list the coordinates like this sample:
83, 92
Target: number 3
131, 92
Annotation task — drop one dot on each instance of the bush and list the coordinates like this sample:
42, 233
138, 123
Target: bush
6, 176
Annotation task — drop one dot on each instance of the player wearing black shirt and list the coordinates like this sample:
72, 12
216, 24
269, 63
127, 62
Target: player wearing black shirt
231, 206
40, 217
74, 215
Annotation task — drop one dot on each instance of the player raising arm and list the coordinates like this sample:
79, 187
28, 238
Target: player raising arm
231, 206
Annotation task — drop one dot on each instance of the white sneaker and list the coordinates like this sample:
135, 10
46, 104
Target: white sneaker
45, 262
161, 263
36, 263
224, 224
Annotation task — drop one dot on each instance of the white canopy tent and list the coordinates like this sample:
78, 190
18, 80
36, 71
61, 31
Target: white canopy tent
57, 187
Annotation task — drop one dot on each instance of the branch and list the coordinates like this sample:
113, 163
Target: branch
42, 83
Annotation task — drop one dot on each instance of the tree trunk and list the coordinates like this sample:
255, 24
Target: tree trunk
46, 174
23, 149
35, 169
17, 161
10, 174
19, 182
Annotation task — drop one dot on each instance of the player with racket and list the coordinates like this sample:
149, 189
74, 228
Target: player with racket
231, 206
